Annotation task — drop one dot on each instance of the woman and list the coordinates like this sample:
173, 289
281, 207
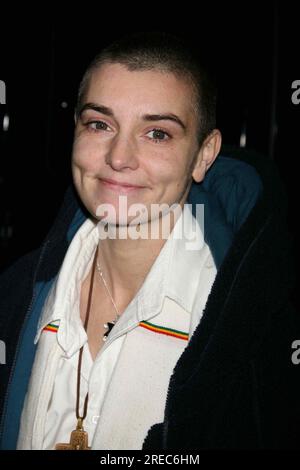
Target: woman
123, 341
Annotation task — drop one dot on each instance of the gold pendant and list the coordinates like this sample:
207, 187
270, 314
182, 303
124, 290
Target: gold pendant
78, 439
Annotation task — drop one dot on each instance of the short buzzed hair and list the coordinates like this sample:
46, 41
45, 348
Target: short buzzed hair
164, 52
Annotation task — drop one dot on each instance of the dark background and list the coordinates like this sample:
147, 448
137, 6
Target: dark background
254, 48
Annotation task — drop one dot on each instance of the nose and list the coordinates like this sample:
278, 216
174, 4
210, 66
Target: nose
122, 153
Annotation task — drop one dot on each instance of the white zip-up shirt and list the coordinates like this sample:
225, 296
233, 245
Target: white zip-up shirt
128, 381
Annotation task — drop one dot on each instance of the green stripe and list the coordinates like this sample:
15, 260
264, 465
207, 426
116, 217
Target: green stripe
166, 329
52, 324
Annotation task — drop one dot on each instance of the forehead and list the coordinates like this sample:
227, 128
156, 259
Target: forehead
113, 85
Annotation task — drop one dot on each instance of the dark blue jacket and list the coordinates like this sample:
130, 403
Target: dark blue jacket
235, 385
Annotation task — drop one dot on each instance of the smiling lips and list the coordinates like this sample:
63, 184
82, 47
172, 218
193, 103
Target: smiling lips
119, 187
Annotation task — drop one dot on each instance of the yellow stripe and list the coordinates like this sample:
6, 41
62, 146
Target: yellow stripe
165, 331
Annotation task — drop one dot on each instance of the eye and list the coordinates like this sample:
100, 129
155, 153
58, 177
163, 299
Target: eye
159, 135
97, 126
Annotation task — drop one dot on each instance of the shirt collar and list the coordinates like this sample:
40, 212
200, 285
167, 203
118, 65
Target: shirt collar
175, 272
188, 252
64, 296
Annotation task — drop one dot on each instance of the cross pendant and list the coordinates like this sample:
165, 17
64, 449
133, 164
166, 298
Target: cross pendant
78, 439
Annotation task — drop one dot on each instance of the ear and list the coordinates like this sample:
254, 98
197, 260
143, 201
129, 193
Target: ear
75, 117
207, 154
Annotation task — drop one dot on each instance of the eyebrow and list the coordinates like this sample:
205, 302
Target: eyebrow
146, 117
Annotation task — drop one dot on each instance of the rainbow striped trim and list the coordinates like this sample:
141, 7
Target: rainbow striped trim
51, 327
164, 331
144, 324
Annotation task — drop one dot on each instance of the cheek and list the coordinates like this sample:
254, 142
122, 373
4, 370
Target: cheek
84, 156
165, 165
171, 171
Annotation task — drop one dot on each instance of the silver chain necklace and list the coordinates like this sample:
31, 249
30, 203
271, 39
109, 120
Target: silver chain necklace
108, 325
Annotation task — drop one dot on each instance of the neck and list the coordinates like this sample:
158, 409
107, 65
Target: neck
125, 262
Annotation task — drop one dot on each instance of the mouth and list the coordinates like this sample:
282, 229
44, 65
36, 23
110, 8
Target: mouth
118, 186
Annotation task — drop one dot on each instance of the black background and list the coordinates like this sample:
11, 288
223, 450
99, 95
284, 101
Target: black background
253, 46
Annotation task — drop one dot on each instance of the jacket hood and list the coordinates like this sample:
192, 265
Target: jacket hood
228, 192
